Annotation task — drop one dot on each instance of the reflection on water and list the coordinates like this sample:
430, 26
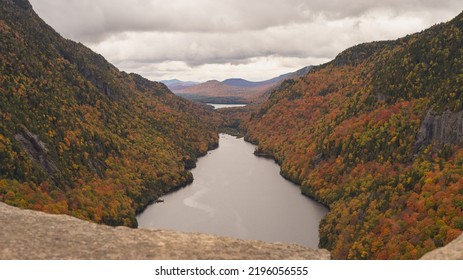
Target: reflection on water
220, 106
237, 194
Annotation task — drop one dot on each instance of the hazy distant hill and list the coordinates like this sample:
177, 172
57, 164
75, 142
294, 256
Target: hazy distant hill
175, 84
232, 90
219, 92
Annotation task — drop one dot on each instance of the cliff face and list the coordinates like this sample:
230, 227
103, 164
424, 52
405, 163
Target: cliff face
446, 128
30, 234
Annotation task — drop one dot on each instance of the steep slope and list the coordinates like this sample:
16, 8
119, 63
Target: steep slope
376, 134
79, 137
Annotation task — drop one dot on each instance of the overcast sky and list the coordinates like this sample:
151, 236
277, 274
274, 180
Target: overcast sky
202, 40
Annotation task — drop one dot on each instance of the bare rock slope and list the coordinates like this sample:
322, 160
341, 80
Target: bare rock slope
452, 251
30, 234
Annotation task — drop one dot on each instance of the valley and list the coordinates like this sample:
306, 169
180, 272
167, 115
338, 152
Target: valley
80, 137
235, 193
375, 134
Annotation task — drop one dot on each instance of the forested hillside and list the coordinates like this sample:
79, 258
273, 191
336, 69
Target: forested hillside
77, 136
377, 135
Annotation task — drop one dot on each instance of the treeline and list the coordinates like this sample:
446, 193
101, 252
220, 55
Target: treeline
347, 132
79, 137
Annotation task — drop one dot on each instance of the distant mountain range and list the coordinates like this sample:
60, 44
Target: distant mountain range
175, 84
233, 90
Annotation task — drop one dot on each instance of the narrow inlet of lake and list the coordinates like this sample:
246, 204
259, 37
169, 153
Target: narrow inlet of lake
237, 194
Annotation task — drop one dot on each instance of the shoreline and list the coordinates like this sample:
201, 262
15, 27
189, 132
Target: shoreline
211, 147
278, 173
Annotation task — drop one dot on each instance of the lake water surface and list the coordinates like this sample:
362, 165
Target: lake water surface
237, 194
220, 106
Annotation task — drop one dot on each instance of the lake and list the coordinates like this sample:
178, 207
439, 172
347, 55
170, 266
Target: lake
237, 194
220, 106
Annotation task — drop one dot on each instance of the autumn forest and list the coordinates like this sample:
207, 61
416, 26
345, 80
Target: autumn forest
376, 135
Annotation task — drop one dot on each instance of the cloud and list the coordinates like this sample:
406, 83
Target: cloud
93, 21
195, 37
318, 39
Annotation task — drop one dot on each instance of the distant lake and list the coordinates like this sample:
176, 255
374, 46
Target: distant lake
238, 194
219, 106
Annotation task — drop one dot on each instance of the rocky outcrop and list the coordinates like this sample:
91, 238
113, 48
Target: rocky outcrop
27, 234
446, 128
452, 251
37, 150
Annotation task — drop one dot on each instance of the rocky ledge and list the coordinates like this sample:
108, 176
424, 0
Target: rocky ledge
452, 251
27, 234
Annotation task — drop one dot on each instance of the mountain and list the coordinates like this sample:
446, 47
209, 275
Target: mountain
237, 82
176, 84
377, 135
292, 75
234, 90
217, 92
80, 137
171, 82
